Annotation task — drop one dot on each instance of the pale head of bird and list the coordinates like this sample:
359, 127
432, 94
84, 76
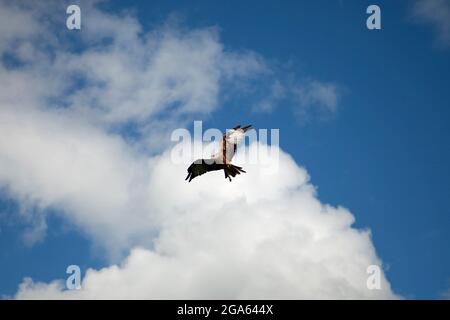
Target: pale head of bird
235, 136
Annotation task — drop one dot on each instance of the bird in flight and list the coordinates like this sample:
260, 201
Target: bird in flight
221, 160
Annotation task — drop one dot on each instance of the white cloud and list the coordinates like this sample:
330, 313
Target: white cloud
437, 13
12, 25
59, 109
264, 235
121, 75
320, 94
446, 295
276, 93
308, 98
316, 99
52, 160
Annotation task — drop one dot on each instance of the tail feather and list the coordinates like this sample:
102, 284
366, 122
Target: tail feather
232, 171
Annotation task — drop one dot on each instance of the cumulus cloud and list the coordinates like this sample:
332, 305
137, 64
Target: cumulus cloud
62, 147
118, 75
437, 13
50, 160
62, 111
263, 236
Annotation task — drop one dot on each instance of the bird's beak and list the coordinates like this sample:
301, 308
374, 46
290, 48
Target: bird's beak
246, 128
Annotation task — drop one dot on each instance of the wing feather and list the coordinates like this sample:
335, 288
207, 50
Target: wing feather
202, 166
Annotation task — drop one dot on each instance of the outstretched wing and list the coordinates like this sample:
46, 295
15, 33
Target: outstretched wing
200, 166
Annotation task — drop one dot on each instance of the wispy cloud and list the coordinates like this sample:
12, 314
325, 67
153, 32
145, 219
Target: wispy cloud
445, 295
307, 99
437, 13
316, 94
277, 91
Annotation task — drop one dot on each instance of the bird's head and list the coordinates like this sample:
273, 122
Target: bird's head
236, 135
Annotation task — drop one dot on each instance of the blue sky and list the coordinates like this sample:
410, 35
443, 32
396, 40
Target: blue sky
383, 153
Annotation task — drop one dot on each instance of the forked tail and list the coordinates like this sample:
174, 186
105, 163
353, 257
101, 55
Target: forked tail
232, 170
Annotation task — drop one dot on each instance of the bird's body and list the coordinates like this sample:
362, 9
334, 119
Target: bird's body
228, 145
222, 159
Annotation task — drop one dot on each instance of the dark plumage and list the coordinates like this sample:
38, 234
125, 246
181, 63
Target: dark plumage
222, 160
201, 166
